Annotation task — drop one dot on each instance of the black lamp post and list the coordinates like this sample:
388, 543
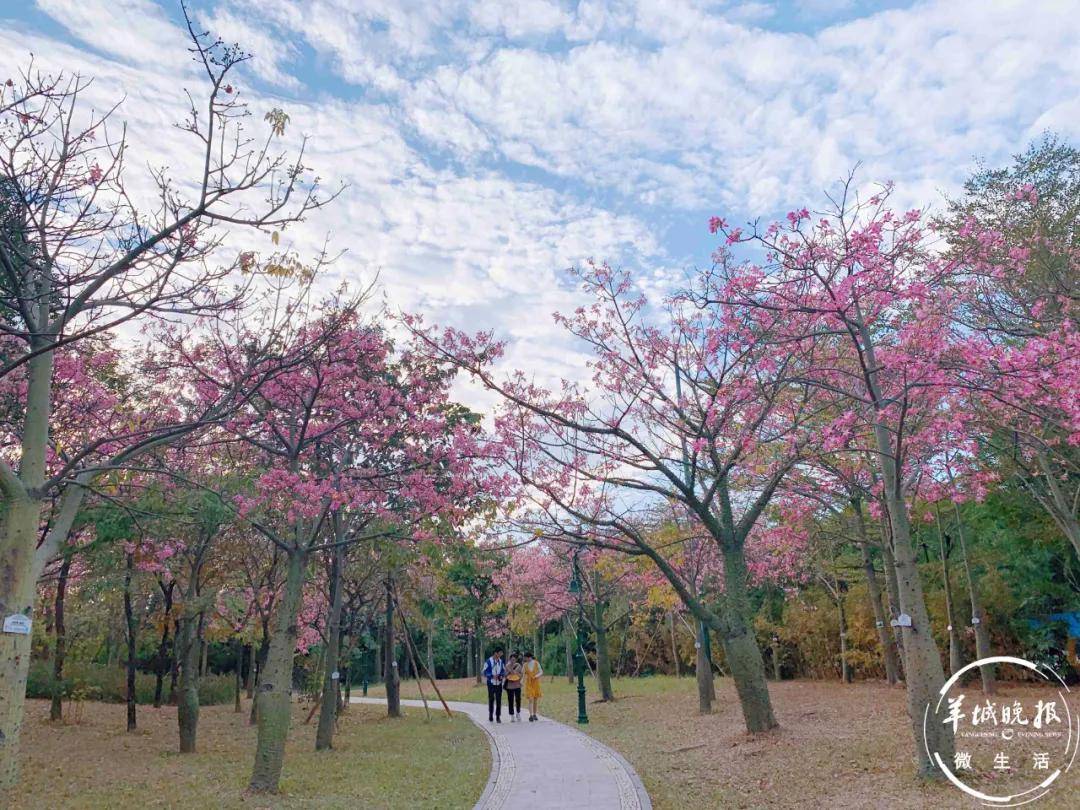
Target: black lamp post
579, 653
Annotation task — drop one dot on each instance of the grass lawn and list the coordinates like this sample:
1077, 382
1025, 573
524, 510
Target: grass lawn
376, 762
838, 745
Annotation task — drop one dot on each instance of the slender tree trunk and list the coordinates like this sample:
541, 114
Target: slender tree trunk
60, 650
204, 649
775, 647
391, 675
249, 673
978, 615
674, 644
704, 673
955, 660
129, 623
275, 689
893, 587
470, 658
324, 735
479, 635
873, 587
430, 652
740, 646
174, 666
162, 659
845, 667
260, 665
239, 679
603, 658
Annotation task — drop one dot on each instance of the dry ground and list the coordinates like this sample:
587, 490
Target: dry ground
839, 746
376, 763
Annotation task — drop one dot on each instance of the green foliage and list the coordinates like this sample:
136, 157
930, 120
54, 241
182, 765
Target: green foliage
95, 682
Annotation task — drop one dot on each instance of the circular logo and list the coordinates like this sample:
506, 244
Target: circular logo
1008, 750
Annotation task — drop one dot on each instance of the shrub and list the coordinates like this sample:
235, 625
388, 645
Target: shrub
108, 684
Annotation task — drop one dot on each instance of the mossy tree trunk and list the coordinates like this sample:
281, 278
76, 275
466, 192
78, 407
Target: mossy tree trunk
740, 645
275, 687
603, 658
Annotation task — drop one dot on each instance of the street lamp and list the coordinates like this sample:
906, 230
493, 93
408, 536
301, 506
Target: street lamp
579, 653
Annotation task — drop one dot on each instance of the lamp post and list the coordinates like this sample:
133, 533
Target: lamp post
579, 653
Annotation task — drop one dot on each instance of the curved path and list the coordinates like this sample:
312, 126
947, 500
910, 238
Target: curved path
548, 765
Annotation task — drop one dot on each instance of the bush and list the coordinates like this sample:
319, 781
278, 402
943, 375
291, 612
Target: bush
108, 684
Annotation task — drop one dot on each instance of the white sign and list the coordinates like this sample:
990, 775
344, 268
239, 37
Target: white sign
18, 624
335, 675
903, 620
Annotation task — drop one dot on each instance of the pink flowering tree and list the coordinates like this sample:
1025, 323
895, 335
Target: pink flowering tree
352, 442
80, 255
685, 404
862, 286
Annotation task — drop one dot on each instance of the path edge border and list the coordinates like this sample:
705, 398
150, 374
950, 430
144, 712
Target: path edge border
624, 763
496, 763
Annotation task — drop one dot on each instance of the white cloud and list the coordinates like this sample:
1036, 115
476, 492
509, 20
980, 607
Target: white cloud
101, 24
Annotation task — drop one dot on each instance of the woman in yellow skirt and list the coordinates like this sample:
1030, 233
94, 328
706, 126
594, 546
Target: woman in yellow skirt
533, 673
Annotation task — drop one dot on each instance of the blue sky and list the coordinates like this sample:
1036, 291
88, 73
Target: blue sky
489, 145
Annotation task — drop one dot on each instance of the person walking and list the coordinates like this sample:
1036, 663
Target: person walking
532, 672
495, 673
514, 674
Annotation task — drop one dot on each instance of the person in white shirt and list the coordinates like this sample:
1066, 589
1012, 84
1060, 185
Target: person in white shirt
495, 673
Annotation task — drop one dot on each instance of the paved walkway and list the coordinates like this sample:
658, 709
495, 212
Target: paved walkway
548, 765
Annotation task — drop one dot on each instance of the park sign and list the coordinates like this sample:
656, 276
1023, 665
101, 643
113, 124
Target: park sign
1008, 750
17, 624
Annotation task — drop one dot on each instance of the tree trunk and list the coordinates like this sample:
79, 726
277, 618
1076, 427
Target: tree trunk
259, 665
674, 644
390, 676
275, 689
845, 667
324, 735
249, 672
56, 707
239, 679
470, 659
603, 659
21, 511
978, 616
479, 636
129, 624
922, 662
740, 646
873, 587
162, 658
893, 587
955, 659
174, 666
430, 652
204, 649
703, 664
775, 647
187, 707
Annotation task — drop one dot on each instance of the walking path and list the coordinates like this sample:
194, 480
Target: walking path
548, 765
